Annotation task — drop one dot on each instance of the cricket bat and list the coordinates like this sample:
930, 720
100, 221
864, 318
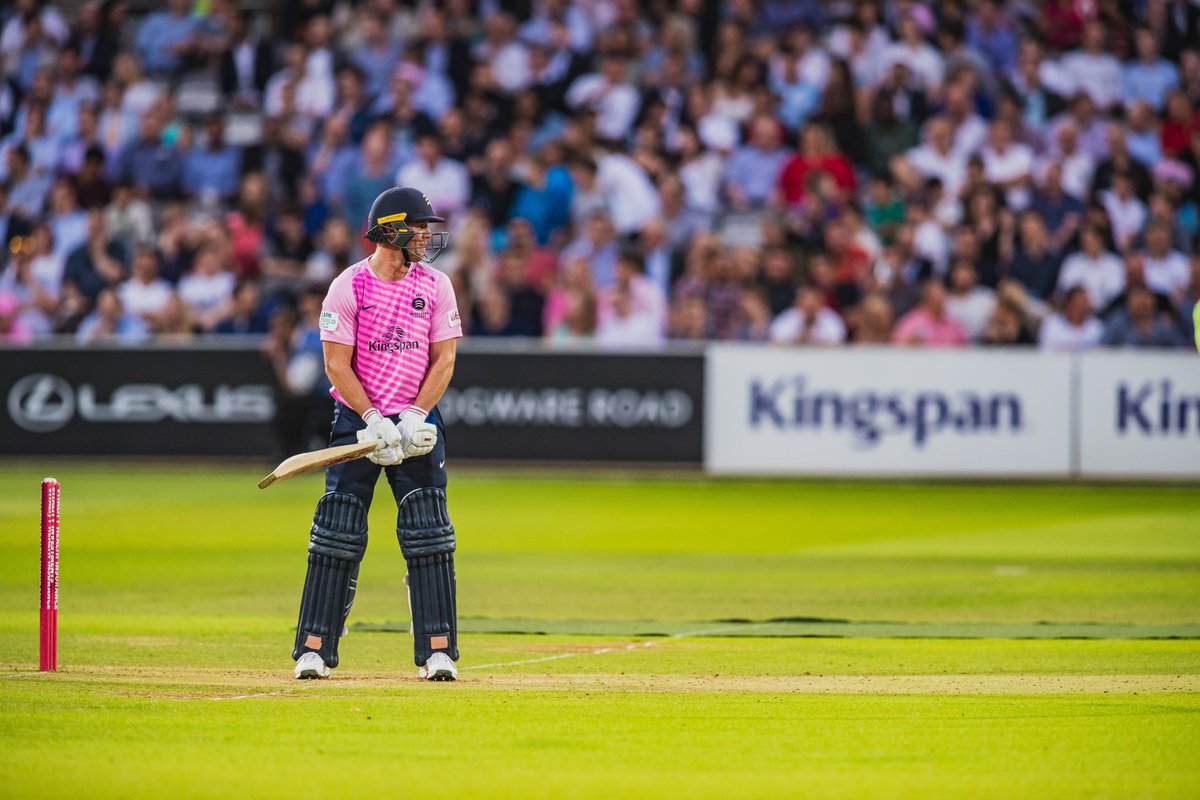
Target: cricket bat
301, 463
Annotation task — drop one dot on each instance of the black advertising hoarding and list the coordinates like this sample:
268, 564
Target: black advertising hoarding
217, 401
220, 401
577, 406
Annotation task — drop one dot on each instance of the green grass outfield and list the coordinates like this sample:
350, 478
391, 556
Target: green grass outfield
670, 637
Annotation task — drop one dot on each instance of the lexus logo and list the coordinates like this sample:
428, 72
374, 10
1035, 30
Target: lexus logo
41, 402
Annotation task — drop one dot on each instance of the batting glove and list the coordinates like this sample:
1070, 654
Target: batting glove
418, 436
381, 429
384, 456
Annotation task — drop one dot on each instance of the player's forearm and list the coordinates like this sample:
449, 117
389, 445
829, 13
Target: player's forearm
436, 381
348, 387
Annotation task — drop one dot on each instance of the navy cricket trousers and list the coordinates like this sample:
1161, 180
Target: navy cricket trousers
358, 477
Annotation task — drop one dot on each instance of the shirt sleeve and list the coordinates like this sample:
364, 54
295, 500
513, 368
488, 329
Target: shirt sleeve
339, 314
446, 323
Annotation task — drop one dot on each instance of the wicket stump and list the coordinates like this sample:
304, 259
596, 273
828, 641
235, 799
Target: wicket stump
48, 655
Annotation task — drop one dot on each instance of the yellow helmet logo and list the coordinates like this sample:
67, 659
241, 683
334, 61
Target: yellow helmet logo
391, 218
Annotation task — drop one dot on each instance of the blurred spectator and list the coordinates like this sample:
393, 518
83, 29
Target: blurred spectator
1030, 258
246, 225
443, 180
286, 250
928, 325
752, 171
68, 221
207, 289
97, 263
632, 314
873, 321
27, 188
1074, 327
212, 169
1094, 69
937, 158
608, 93
293, 348
809, 321
1142, 134
970, 304
1167, 270
1094, 268
817, 155
525, 301
1008, 326
1181, 124
1138, 323
570, 310
144, 293
372, 175
13, 330
165, 37
598, 247
110, 323
334, 252
150, 163
245, 313
1125, 210
97, 36
246, 63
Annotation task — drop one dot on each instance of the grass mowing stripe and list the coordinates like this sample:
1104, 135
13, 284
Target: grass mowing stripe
805, 628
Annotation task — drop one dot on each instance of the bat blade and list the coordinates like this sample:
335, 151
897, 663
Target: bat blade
318, 459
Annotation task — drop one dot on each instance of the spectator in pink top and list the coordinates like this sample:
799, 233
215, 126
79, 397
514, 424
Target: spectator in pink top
928, 325
389, 330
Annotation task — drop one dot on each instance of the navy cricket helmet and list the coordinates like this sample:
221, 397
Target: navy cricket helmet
392, 215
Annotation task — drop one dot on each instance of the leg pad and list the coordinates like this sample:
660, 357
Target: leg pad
335, 548
427, 542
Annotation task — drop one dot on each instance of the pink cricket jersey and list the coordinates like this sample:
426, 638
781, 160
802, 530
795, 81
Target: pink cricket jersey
390, 324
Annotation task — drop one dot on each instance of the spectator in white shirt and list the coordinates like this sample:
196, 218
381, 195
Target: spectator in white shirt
1077, 166
809, 321
936, 158
1167, 271
1073, 328
610, 95
443, 180
917, 54
1008, 164
504, 58
1125, 210
970, 129
144, 293
1094, 268
968, 302
208, 288
1094, 70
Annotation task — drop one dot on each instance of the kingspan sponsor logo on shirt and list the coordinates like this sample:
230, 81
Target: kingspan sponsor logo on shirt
393, 341
869, 415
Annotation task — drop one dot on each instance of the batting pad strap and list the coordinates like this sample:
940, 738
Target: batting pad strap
423, 524
339, 528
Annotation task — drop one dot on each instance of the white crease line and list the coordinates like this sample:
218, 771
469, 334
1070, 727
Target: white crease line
603, 650
252, 696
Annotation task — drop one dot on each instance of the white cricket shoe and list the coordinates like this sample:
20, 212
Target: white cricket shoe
439, 667
311, 665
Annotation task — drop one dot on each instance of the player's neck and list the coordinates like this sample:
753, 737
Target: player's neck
388, 265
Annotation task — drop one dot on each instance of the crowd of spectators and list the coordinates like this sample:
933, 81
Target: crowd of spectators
625, 173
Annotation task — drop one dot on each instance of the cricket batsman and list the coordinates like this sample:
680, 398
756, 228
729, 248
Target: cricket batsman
389, 330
